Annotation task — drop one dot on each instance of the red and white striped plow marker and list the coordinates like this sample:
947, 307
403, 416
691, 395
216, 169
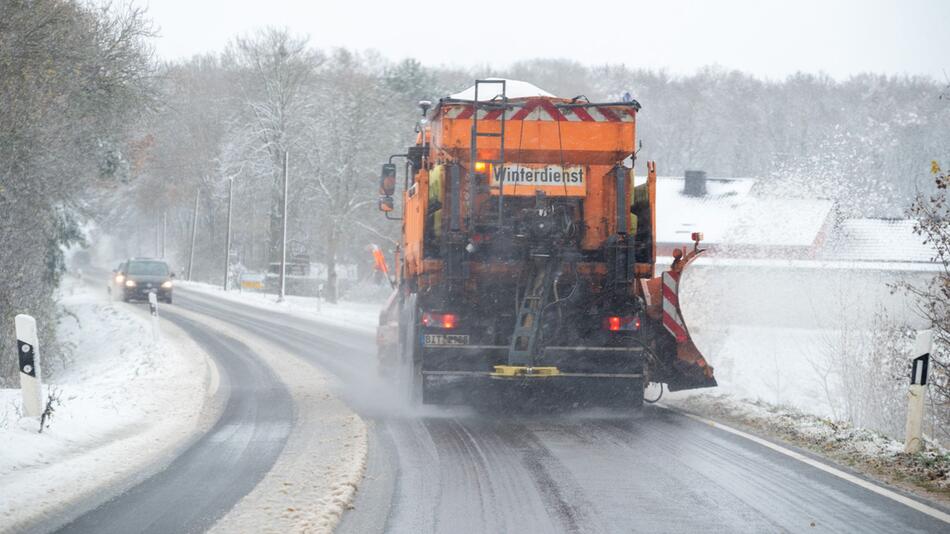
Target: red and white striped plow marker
672, 318
540, 109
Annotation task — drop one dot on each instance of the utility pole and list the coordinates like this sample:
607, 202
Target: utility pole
227, 242
194, 235
158, 238
164, 231
283, 234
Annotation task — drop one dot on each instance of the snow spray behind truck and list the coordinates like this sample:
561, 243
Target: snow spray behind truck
528, 259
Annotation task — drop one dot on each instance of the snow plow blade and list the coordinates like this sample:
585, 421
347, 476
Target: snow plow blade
678, 363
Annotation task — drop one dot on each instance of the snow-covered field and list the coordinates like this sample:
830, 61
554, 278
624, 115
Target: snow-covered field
126, 404
362, 316
772, 331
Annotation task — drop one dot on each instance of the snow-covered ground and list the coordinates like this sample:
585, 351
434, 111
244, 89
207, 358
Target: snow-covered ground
127, 404
362, 316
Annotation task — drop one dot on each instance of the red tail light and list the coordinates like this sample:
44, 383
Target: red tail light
447, 321
617, 323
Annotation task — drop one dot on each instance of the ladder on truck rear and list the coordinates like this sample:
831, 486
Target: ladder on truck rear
494, 104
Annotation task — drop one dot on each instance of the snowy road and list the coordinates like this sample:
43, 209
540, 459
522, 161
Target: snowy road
209, 477
454, 471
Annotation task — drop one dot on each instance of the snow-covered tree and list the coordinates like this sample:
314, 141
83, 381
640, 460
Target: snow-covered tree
72, 78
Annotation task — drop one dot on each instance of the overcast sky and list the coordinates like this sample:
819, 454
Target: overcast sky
768, 38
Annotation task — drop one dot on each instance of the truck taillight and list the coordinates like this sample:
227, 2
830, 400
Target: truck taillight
617, 323
447, 321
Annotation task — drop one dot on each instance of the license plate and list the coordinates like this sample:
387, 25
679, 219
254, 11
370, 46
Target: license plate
441, 340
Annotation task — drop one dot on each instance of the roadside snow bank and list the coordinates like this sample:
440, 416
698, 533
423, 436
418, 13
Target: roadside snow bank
361, 316
314, 480
863, 449
127, 405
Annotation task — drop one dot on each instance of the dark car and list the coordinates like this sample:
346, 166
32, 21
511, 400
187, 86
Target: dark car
144, 276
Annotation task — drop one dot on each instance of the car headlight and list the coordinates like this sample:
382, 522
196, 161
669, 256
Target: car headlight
119, 278
167, 284
130, 283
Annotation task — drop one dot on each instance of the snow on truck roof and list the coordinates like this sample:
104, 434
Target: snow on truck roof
513, 89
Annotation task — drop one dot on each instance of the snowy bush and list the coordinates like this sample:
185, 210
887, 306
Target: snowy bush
863, 371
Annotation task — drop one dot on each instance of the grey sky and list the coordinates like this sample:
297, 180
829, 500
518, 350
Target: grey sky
769, 39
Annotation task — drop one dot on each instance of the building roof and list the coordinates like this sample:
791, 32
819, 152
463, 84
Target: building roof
879, 240
729, 214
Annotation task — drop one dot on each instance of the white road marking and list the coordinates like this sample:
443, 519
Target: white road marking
906, 501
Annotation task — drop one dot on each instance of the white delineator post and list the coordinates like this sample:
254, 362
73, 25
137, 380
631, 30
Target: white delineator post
30, 376
918, 388
153, 310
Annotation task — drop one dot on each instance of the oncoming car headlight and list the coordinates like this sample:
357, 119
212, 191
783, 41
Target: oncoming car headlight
167, 284
119, 278
130, 283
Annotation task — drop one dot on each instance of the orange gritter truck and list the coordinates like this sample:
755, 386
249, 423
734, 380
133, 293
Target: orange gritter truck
527, 263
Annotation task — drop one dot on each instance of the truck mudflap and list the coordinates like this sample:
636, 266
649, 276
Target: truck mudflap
679, 363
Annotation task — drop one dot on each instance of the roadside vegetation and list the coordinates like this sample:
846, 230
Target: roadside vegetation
73, 77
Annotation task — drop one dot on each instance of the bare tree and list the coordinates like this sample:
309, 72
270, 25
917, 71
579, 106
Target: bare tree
347, 143
277, 71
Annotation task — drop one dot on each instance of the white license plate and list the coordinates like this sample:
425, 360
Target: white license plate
442, 340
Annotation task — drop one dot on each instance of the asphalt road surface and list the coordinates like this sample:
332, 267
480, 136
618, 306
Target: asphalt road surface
463, 471
210, 476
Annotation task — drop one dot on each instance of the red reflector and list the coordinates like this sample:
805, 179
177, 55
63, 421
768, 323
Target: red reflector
613, 323
440, 320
